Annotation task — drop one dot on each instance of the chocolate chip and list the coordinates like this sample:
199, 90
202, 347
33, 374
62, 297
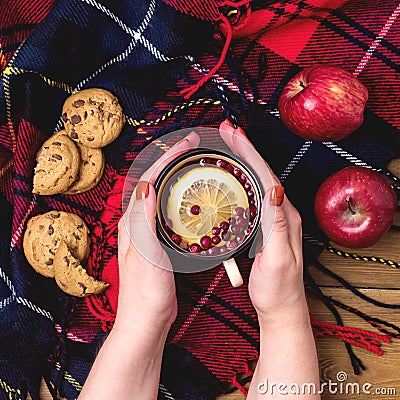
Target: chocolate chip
79, 103
49, 261
65, 117
93, 102
85, 114
46, 147
56, 143
76, 264
57, 157
85, 162
79, 226
50, 231
66, 260
52, 160
51, 251
75, 119
73, 134
90, 139
83, 287
76, 236
54, 216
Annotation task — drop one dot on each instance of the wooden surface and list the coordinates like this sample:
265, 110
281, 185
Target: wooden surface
378, 281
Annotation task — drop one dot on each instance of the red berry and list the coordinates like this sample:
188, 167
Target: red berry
216, 239
215, 230
239, 238
230, 168
195, 210
225, 235
195, 248
238, 211
231, 245
247, 186
232, 221
176, 238
205, 161
235, 229
237, 172
242, 178
250, 193
222, 250
241, 221
252, 202
221, 163
205, 242
253, 211
224, 225
213, 251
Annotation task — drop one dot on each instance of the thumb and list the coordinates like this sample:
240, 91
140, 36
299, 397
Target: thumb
140, 221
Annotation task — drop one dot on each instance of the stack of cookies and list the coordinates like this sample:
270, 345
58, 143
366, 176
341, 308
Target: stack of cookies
55, 244
71, 161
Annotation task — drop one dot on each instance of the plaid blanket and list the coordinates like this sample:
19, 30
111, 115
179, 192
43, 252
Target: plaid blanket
175, 64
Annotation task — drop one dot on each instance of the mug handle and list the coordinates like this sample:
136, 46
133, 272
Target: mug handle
233, 273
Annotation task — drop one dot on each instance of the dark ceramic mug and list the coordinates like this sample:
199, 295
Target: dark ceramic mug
229, 195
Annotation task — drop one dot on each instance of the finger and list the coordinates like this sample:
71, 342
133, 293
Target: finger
140, 222
190, 142
237, 141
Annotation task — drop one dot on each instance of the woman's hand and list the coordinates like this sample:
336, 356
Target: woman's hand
288, 353
130, 358
276, 280
147, 288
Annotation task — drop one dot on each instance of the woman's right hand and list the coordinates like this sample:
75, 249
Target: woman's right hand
276, 280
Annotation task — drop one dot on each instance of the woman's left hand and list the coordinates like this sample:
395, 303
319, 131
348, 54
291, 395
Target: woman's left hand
147, 294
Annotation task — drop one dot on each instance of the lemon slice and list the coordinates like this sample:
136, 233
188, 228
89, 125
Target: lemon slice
214, 190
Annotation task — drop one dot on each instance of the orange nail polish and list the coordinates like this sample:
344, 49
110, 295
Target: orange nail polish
229, 123
142, 190
277, 195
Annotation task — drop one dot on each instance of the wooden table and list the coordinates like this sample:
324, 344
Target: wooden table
378, 281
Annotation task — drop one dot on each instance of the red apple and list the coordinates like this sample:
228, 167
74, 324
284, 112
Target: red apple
355, 206
323, 103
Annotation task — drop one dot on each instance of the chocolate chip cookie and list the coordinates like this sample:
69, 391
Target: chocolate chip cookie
57, 167
71, 277
44, 234
93, 117
91, 170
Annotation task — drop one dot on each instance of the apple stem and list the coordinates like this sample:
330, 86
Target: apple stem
349, 205
302, 85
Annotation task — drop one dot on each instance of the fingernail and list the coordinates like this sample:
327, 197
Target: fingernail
142, 190
228, 122
277, 195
